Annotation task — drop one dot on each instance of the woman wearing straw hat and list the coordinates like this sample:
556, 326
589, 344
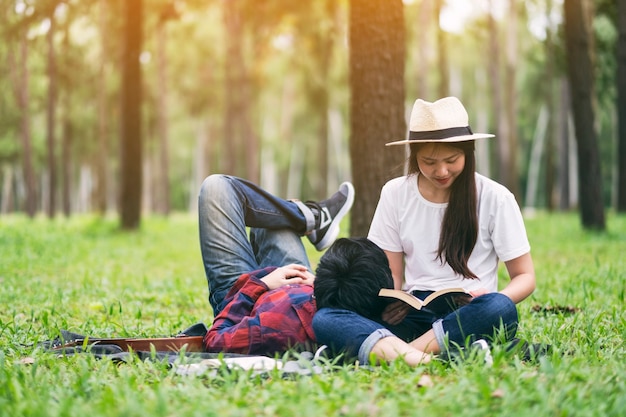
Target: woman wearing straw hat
442, 225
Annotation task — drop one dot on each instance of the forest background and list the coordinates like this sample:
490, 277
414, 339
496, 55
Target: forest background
122, 107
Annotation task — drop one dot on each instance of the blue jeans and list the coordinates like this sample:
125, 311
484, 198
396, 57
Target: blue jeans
226, 207
346, 331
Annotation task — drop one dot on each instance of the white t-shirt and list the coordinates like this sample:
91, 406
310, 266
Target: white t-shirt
405, 221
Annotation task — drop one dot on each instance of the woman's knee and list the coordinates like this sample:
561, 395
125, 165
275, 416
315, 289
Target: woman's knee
482, 318
499, 307
500, 311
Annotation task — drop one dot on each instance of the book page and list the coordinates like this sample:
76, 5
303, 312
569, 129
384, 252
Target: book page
450, 291
411, 300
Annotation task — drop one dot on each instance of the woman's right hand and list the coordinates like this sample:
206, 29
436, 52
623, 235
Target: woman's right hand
395, 312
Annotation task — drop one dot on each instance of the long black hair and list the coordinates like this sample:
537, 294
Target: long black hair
459, 229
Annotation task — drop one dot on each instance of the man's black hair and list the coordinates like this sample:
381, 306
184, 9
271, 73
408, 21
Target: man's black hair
349, 276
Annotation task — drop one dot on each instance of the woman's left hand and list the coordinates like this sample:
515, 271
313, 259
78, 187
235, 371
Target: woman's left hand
478, 292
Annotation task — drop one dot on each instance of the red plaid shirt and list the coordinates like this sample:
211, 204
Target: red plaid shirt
257, 321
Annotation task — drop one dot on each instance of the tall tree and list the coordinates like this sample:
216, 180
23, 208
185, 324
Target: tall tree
552, 128
20, 80
502, 146
621, 106
377, 56
511, 165
67, 137
580, 74
442, 54
168, 13
564, 149
131, 141
101, 159
51, 116
317, 24
424, 25
236, 90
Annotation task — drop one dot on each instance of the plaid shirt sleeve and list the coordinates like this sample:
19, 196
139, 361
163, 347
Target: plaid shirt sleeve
229, 332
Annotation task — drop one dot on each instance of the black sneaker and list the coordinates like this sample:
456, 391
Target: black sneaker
458, 354
328, 214
529, 352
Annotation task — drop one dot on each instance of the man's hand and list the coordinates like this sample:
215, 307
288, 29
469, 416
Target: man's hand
290, 274
395, 312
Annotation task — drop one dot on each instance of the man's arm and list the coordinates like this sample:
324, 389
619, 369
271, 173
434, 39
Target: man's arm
230, 329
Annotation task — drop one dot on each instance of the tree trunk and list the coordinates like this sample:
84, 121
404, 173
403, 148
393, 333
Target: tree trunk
162, 174
66, 139
249, 137
502, 129
318, 88
377, 114
580, 73
534, 161
201, 165
51, 120
563, 150
66, 158
621, 106
19, 76
322, 52
131, 141
291, 184
241, 156
422, 49
147, 191
442, 55
101, 188
552, 128
6, 198
480, 102
235, 77
510, 159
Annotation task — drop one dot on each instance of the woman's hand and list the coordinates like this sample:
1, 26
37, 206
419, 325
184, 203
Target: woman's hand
290, 274
478, 292
395, 312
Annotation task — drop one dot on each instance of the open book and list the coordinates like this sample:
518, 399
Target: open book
439, 302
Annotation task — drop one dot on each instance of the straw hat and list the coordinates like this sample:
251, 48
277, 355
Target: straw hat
445, 120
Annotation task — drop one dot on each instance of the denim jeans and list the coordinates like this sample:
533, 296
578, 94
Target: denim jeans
346, 331
226, 207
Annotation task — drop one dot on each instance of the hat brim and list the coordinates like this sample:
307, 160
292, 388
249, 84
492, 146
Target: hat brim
445, 140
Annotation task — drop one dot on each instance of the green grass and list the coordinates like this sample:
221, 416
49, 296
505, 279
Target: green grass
86, 276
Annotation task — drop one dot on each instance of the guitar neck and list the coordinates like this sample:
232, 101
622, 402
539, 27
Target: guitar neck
169, 344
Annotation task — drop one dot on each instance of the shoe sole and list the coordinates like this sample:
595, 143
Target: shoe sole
333, 229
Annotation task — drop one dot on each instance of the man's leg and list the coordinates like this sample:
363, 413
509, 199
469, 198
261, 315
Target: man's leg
226, 205
278, 247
